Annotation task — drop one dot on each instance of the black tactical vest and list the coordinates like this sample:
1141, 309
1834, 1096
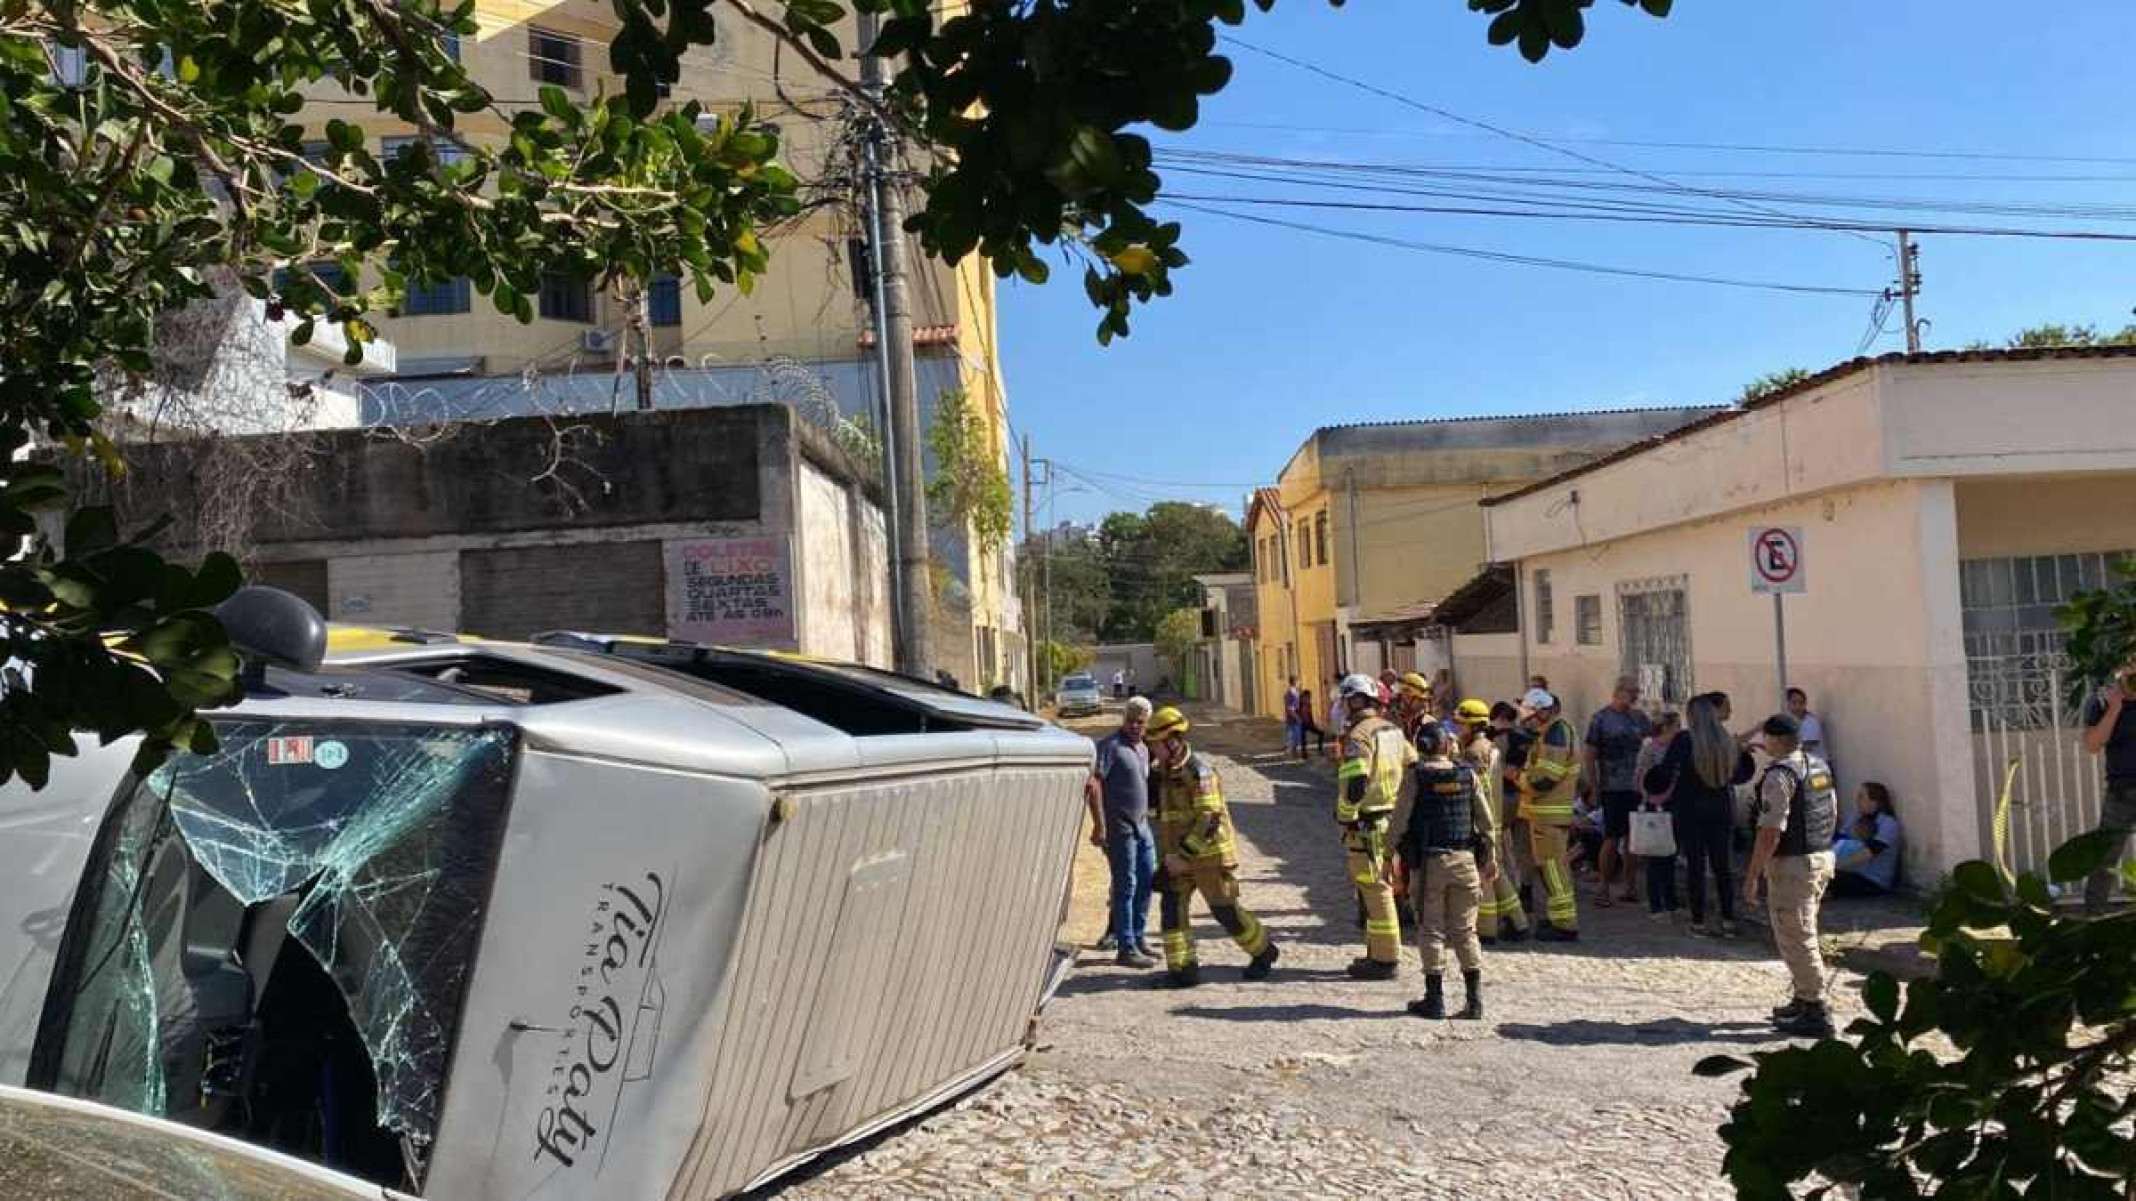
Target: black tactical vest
1812, 808
1443, 819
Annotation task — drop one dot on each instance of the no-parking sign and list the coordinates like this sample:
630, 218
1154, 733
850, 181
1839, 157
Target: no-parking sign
1776, 559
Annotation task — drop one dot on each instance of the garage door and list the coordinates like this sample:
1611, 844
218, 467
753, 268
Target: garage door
608, 587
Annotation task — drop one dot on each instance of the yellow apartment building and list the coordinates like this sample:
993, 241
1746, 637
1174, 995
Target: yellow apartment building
803, 336
1369, 523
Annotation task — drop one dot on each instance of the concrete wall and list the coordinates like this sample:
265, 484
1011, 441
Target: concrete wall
1875, 640
498, 531
1487, 666
1142, 657
846, 608
2045, 515
2010, 418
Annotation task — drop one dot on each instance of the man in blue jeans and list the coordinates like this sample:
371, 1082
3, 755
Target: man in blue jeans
1118, 793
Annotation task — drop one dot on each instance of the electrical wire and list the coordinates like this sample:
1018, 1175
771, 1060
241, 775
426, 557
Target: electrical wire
1411, 179
1980, 231
1523, 259
1729, 147
1515, 135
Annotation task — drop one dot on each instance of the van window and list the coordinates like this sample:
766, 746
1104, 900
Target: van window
283, 927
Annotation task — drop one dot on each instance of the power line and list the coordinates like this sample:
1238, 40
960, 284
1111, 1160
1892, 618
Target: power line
1319, 173
1527, 260
1728, 147
1636, 218
1450, 115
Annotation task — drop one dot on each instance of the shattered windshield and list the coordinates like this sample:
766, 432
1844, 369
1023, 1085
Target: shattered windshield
283, 933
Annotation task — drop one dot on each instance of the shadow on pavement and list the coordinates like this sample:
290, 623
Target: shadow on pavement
1292, 1013
1582, 1032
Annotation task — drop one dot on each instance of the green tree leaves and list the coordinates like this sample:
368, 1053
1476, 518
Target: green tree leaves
2040, 1006
1175, 636
970, 487
2101, 628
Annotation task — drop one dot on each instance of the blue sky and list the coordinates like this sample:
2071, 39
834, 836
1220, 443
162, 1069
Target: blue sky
1274, 331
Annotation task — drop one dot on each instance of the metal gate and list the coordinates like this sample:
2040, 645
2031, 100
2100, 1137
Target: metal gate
2016, 695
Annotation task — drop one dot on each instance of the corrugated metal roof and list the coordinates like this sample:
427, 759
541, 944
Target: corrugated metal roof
1809, 383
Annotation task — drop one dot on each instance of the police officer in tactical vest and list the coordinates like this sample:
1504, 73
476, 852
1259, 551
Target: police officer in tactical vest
1447, 847
1797, 813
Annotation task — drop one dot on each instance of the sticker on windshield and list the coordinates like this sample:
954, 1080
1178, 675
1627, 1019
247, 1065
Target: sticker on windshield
289, 750
330, 755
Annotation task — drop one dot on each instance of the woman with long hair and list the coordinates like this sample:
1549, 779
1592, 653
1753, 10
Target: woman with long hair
1699, 773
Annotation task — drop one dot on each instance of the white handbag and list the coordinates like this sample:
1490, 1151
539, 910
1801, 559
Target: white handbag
1653, 834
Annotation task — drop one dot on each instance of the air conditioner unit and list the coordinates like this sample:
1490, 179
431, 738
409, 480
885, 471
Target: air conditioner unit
597, 341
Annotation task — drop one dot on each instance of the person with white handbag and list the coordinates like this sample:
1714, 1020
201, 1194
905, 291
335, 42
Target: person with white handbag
1653, 827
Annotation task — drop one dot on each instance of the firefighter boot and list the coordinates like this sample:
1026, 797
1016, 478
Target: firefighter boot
1263, 963
1180, 977
1472, 982
1433, 1003
1374, 969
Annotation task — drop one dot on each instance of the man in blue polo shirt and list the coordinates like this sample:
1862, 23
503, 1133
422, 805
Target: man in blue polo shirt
1118, 794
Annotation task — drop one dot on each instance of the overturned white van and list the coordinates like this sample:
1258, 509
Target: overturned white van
498, 921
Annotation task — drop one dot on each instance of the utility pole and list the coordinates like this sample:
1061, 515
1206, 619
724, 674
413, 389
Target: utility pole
1909, 281
911, 584
1030, 577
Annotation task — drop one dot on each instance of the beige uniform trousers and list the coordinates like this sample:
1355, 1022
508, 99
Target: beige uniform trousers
1795, 886
1447, 891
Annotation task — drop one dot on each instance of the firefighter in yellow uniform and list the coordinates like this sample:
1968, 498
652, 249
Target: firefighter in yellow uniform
1499, 915
1376, 757
1412, 704
1548, 782
1196, 852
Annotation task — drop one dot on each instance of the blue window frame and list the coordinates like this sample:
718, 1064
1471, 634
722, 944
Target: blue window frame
428, 300
663, 300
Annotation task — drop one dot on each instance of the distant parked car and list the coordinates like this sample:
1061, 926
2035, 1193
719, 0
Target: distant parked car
1078, 695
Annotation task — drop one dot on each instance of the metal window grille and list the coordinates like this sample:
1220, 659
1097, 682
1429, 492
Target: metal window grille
1587, 620
1544, 626
2014, 658
564, 298
1654, 620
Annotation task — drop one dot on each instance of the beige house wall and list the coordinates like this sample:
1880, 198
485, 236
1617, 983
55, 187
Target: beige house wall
1895, 472
1410, 544
1487, 666
2046, 515
1875, 640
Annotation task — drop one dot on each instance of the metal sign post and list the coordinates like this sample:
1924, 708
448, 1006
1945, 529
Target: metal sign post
1776, 567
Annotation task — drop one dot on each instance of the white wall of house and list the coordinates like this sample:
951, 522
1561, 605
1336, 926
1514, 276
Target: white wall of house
1885, 671
1895, 473
1487, 666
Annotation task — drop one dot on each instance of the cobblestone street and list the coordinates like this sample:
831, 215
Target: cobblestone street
1576, 1085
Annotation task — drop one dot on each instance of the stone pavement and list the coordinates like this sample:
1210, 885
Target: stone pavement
1576, 1085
